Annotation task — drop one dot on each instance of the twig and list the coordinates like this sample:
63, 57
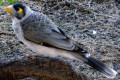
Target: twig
5, 23
89, 2
75, 12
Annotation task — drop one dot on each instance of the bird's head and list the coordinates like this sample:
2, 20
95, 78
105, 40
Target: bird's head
17, 10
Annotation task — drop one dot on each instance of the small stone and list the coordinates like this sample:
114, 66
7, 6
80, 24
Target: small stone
68, 19
94, 32
69, 28
118, 7
77, 25
114, 11
91, 16
2, 13
85, 18
69, 14
115, 67
91, 35
63, 15
98, 23
79, 33
112, 36
116, 42
94, 19
109, 6
98, 49
119, 13
118, 21
106, 12
105, 20
85, 4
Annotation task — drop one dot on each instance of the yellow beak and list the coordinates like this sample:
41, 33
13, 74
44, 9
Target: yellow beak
8, 9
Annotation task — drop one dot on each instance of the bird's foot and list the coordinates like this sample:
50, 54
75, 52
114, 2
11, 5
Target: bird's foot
33, 56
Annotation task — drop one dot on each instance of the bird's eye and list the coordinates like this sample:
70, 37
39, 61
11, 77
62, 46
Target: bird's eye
19, 10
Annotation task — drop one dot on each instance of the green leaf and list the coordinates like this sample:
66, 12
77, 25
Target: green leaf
10, 0
60, 25
1, 1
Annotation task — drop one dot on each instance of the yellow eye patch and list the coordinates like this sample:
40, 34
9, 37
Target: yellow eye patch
20, 10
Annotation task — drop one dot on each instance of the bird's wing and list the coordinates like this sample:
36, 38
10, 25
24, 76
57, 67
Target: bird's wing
39, 28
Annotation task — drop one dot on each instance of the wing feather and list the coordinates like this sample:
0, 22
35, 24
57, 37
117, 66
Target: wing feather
39, 28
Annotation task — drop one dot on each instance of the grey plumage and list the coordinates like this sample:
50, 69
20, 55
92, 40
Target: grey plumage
39, 28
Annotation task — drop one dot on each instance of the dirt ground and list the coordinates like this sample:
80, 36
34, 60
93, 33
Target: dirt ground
95, 26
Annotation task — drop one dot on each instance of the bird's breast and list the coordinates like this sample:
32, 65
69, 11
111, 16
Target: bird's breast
18, 31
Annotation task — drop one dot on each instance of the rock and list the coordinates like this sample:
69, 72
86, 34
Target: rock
39, 67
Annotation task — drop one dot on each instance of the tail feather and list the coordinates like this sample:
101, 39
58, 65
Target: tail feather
85, 57
107, 71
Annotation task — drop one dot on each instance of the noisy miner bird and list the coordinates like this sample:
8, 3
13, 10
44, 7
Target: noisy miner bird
43, 36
